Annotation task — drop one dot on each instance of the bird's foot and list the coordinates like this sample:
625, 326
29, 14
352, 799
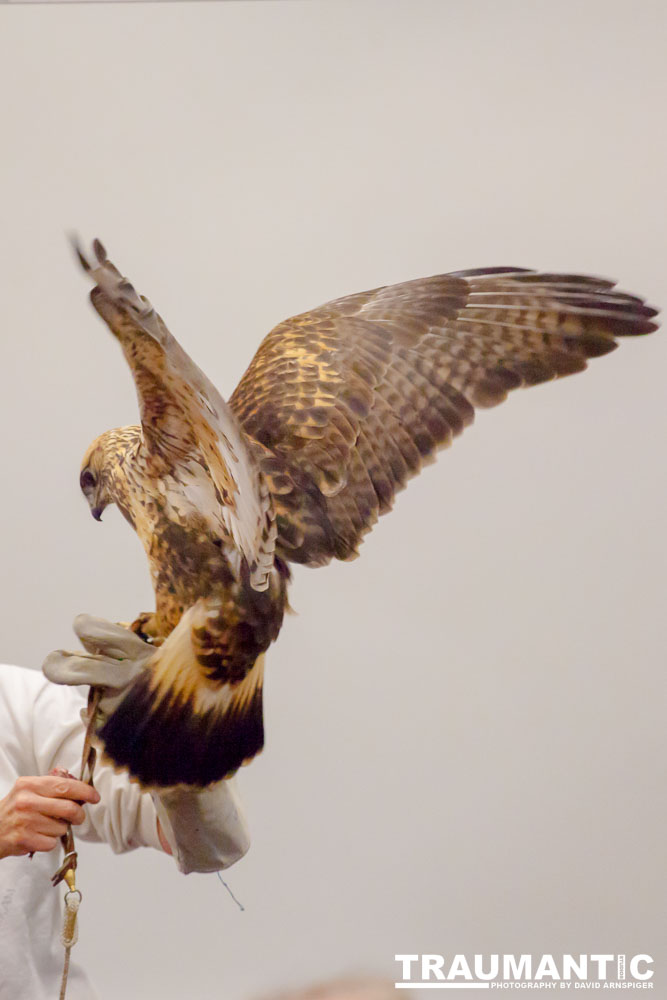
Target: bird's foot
145, 626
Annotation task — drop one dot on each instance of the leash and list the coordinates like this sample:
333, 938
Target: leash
66, 872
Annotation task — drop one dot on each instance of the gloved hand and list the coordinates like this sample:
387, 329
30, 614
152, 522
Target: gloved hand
205, 828
113, 657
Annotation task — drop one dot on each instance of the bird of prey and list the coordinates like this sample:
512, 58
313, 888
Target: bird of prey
339, 408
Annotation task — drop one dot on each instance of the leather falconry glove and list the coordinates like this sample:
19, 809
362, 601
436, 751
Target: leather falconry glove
205, 828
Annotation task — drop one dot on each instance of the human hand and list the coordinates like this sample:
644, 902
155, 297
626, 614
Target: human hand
37, 810
111, 659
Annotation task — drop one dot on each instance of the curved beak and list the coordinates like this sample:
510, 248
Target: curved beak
97, 512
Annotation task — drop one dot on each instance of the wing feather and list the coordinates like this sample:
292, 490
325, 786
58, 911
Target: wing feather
346, 403
184, 418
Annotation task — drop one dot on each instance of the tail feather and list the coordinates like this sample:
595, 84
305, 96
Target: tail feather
174, 726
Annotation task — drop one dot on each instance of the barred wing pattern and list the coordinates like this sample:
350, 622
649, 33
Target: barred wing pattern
184, 419
347, 402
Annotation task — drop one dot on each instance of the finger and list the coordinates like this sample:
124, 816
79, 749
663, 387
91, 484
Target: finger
31, 807
62, 667
39, 842
100, 636
46, 826
52, 786
60, 772
62, 809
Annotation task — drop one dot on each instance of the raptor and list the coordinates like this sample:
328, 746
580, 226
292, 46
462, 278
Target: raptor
339, 408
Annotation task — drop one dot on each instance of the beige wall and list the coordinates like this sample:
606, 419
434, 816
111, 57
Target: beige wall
465, 727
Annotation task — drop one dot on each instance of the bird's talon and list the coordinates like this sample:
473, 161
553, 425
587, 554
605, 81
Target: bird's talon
145, 626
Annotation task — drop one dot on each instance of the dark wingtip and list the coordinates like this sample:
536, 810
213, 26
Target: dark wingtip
75, 243
482, 272
100, 252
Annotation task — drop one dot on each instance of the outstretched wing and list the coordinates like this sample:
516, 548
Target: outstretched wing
184, 419
347, 402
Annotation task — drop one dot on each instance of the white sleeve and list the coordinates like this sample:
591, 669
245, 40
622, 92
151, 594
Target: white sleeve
125, 816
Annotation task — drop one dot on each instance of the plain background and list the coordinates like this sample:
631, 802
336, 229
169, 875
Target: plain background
466, 740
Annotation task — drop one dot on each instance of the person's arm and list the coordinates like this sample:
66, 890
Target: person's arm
204, 829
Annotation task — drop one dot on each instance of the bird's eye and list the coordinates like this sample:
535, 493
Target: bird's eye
87, 480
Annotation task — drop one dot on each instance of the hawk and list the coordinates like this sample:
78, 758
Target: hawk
339, 408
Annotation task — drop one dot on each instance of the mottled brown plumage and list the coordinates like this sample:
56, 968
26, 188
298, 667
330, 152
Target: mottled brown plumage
352, 399
339, 408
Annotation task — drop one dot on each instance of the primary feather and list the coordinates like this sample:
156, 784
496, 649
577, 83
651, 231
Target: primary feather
338, 409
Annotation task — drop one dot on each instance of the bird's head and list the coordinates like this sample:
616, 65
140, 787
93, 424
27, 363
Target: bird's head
101, 464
